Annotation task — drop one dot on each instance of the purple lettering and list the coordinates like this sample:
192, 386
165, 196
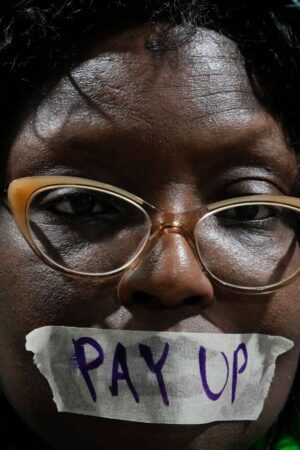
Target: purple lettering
156, 368
81, 360
242, 347
120, 359
202, 363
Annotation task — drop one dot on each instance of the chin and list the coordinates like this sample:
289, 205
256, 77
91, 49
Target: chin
78, 432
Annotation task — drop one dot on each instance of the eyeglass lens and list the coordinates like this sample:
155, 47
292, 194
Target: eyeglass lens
87, 230
252, 245
94, 231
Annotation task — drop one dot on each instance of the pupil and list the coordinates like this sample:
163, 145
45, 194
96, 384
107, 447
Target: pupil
82, 204
247, 212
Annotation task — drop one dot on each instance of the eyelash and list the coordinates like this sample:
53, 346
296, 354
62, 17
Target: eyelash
107, 209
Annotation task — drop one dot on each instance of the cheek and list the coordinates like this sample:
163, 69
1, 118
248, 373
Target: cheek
277, 313
33, 295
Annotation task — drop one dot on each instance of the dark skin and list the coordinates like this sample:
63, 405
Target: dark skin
180, 130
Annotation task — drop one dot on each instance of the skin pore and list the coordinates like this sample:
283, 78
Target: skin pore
180, 129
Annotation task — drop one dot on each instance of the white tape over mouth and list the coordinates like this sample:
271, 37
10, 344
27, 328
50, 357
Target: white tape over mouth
157, 377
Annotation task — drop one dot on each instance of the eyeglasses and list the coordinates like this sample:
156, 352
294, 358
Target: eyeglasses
88, 228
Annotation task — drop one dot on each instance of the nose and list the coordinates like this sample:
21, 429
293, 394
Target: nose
170, 274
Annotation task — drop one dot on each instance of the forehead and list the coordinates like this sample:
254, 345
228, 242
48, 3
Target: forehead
190, 103
121, 79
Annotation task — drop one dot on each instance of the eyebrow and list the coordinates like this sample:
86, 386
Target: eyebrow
249, 139
75, 140
254, 144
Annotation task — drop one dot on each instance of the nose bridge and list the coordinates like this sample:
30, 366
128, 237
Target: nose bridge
176, 222
175, 207
172, 227
169, 270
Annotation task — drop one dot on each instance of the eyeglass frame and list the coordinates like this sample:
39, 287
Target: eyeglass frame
21, 191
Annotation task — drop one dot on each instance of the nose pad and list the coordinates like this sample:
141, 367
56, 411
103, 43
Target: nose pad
170, 274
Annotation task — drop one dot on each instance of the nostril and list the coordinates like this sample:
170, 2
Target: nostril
140, 296
155, 303
193, 300
148, 300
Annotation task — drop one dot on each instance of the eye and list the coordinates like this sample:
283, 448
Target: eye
248, 213
81, 204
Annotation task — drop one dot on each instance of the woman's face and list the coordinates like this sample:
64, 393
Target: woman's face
179, 129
